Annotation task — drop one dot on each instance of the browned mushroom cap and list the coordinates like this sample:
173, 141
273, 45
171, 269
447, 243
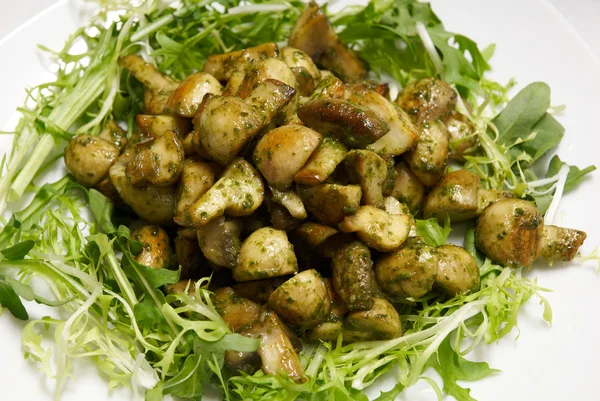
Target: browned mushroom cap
369, 170
330, 87
330, 203
509, 232
381, 322
322, 162
221, 66
355, 126
314, 234
220, 241
186, 99
377, 228
408, 272
407, 187
156, 251
238, 312
197, 177
89, 158
282, 152
302, 301
427, 99
314, 35
353, 277
457, 270
114, 134
427, 160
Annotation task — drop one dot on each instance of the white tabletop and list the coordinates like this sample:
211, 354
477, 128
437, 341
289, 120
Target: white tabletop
583, 15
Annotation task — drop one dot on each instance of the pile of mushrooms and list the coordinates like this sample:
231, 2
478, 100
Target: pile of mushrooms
296, 187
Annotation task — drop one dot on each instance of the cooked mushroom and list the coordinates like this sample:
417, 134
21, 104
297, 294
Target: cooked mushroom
306, 72
281, 219
220, 241
156, 251
266, 253
290, 201
269, 68
302, 301
89, 158
330, 203
512, 232
258, 290
427, 99
158, 161
355, 126
380, 322
322, 162
462, 137
155, 126
314, 234
378, 229
282, 152
158, 87
457, 270
314, 35
409, 272
187, 253
407, 187
460, 196
427, 160
353, 278
238, 312
114, 134
332, 327
196, 179
186, 99
394, 206
221, 66
369, 170
239, 192
390, 177
151, 203
330, 87
224, 125
276, 349
402, 134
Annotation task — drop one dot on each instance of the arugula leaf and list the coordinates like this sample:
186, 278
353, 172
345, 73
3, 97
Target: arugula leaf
11, 301
18, 251
102, 208
432, 232
548, 134
453, 367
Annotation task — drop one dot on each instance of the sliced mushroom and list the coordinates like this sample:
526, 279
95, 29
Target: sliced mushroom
512, 232
302, 301
427, 160
158, 87
282, 152
314, 234
221, 66
407, 187
329, 87
393, 206
266, 253
187, 253
239, 192
408, 272
381, 322
378, 229
276, 349
314, 35
427, 99
355, 126
156, 126
402, 134
151, 203
158, 162
460, 196
462, 136
224, 125
457, 271
353, 278
186, 99
369, 170
270, 68
196, 179
220, 241
89, 158
330, 203
390, 177
322, 162
291, 201
306, 72
238, 312
156, 250
114, 134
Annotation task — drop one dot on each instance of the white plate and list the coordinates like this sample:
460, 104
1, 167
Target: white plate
533, 43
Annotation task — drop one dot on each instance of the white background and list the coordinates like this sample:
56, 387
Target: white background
583, 15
